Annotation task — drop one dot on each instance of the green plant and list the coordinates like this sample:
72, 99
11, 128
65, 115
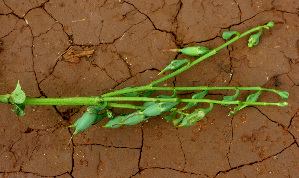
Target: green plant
154, 106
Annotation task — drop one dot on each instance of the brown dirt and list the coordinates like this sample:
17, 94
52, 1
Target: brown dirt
122, 44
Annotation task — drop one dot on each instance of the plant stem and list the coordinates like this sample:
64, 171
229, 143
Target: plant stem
97, 101
145, 88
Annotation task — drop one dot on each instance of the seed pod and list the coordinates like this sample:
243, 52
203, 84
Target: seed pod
254, 39
230, 98
228, 34
133, 119
114, 123
199, 95
193, 50
84, 122
175, 64
196, 116
159, 108
99, 118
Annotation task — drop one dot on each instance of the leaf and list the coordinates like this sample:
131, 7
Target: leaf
17, 96
199, 95
19, 111
177, 121
175, 64
170, 117
230, 98
283, 94
228, 34
250, 98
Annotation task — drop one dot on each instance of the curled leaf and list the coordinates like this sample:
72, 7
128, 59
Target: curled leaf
199, 95
170, 117
283, 94
193, 50
19, 111
177, 121
228, 34
230, 98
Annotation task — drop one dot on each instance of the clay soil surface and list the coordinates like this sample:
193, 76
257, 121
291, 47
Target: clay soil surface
84, 48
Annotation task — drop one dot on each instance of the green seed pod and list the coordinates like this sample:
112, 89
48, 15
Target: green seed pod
228, 34
196, 116
254, 39
175, 64
84, 122
133, 118
193, 50
159, 108
99, 118
114, 123
283, 94
230, 98
199, 95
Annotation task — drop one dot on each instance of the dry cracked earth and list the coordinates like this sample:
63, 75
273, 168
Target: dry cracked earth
84, 48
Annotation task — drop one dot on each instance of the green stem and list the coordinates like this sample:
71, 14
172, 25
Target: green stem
145, 88
97, 101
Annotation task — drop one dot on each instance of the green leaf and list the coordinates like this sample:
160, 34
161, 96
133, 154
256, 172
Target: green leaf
250, 98
19, 111
230, 98
99, 118
228, 34
270, 24
167, 96
147, 93
84, 122
175, 64
199, 95
17, 96
283, 94
170, 117
177, 121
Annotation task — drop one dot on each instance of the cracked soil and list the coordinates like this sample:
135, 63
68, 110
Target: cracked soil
84, 48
